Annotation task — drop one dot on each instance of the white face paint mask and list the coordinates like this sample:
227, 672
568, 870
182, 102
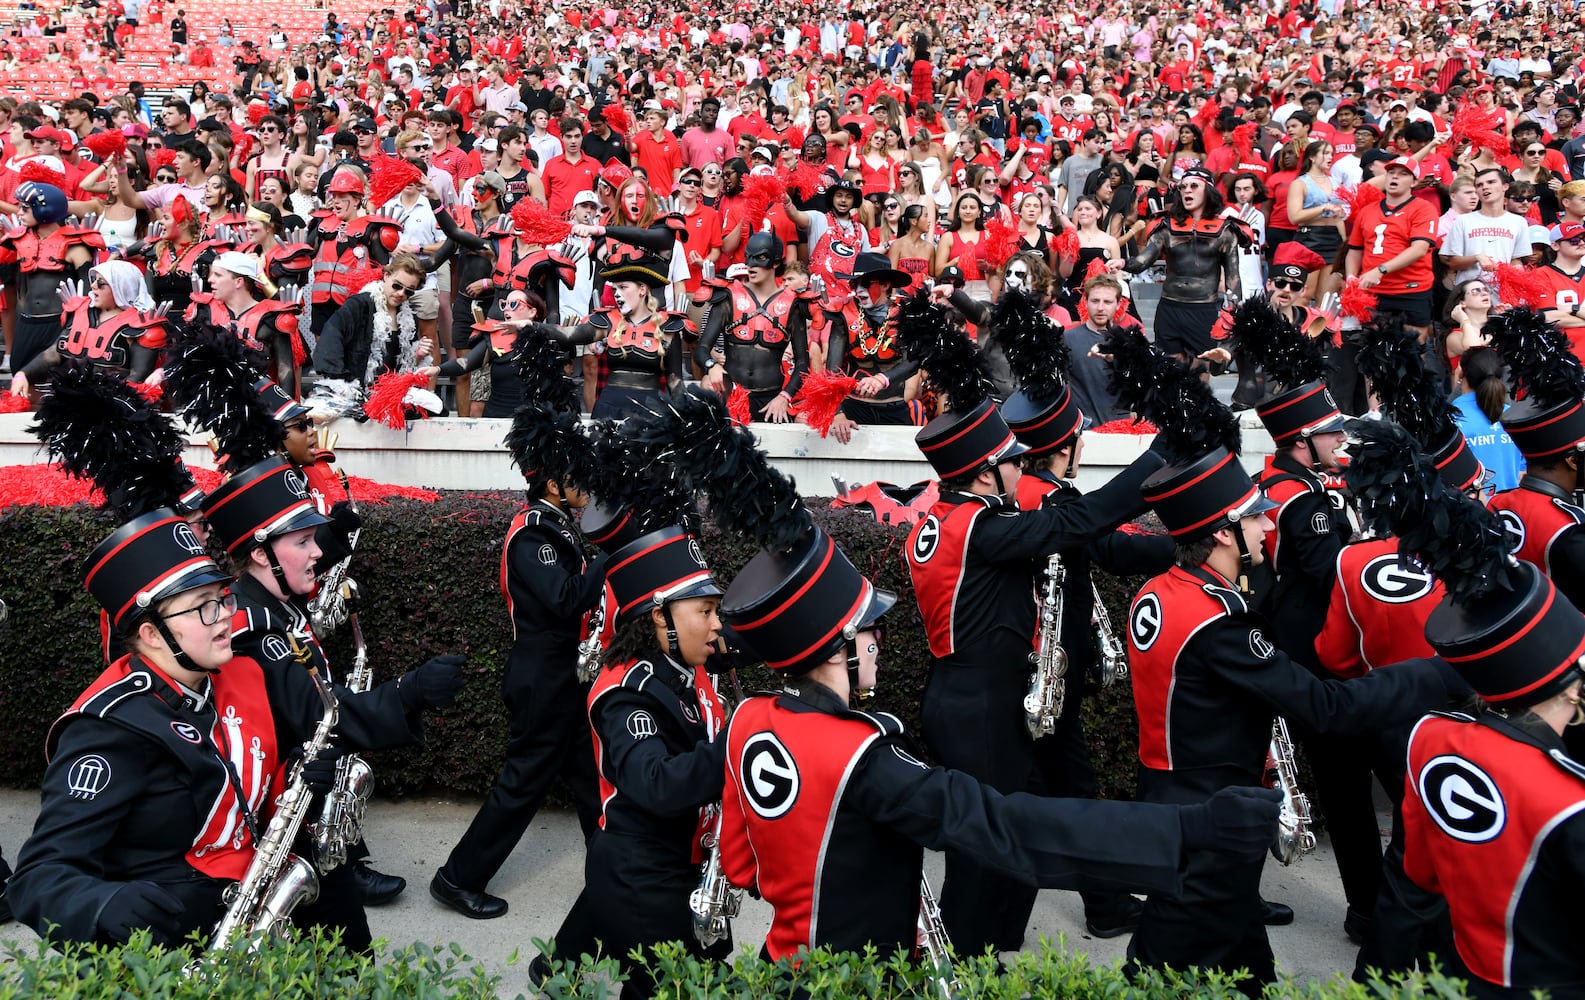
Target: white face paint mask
1018, 277
624, 304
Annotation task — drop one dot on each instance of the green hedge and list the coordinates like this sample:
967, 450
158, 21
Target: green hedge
315, 968
430, 574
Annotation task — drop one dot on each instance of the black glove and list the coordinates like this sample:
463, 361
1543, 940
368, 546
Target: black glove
433, 685
1241, 821
320, 773
142, 905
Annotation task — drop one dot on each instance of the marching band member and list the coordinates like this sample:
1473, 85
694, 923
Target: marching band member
1206, 677
973, 563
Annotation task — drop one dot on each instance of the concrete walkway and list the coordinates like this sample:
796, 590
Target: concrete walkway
544, 875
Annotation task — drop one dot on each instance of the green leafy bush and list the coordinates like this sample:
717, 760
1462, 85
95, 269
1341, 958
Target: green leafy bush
317, 967
430, 574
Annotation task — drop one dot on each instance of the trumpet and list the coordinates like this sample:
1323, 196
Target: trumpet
1113, 658
714, 903
340, 822
278, 881
934, 945
1048, 683
1294, 836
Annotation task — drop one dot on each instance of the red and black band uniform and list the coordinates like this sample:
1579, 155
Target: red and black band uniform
755, 335
827, 812
659, 748
1548, 530
151, 782
1494, 811
974, 562
548, 585
264, 629
1207, 681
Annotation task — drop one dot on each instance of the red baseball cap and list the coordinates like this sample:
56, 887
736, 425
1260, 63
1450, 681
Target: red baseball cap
1404, 163
1570, 231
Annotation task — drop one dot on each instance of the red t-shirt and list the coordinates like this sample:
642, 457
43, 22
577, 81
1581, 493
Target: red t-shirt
1382, 232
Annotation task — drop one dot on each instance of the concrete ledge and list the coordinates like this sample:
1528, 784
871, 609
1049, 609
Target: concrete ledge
468, 454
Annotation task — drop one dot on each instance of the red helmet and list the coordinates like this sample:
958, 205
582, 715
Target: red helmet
345, 182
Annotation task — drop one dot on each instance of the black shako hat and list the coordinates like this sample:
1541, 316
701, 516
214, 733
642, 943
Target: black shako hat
1548, 424
261, 502
1300, 413
1203, 496
797, 607
280, 405
656, 569
958, 444
145, 561
609, 526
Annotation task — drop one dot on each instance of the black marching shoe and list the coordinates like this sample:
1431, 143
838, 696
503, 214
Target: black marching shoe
1115, 921
538, 972
477, 905
1275, 914
376, 888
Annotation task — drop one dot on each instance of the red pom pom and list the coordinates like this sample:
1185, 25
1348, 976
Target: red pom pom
150, 393
161, 157
617, 117
804, 180
1518, 285
1359, 195
38, 173
737, 406
1000, 242
10, 402
1243, 140
360, 279
536, 224
387, 398
760, 193
1066, 245
106, 146
1124, 426
256, 112
819, 399
1470, 124
1098, 267
390, 177
1356, 302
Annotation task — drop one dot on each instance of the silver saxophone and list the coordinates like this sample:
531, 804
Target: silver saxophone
589, 649
328, 608
1048, 685
715, 902
934, 945
340, 822
278, 881
1114, 658
1294, 836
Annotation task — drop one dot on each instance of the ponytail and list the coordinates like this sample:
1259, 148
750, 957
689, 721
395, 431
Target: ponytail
1482, 369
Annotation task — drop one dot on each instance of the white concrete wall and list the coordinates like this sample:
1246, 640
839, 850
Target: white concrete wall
458, 454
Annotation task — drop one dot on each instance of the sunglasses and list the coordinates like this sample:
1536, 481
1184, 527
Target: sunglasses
1521, 197
891, 206
1576, 241
690, 182
1288, 284
268, 129
363, 131
405, 290
712, 173
297, 426
516, 304
98, 282
1535, 152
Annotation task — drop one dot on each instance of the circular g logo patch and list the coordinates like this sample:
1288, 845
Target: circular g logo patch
1514, 526
1144, 625
1392, 581
926, 539
1462, 799
770, 776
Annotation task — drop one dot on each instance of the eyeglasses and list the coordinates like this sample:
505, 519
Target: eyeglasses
1535, 152
690, 182
1521, 197
210, 612
1576, 241
891, 206
297, 426
516, 304
406, 290
1287, 284
268, 129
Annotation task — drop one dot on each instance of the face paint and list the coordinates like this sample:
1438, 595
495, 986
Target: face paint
1018, 276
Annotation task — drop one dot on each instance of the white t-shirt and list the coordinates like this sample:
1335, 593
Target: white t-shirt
1503, 238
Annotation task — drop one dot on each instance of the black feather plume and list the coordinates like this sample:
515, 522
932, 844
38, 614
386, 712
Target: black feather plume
1400, 493
209, 380
638, 475
748, 496
1262, 338
550, 444
541, 367
1036, 350
1186, 412
97, 427
1538, 356
941, 347
1410, 393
